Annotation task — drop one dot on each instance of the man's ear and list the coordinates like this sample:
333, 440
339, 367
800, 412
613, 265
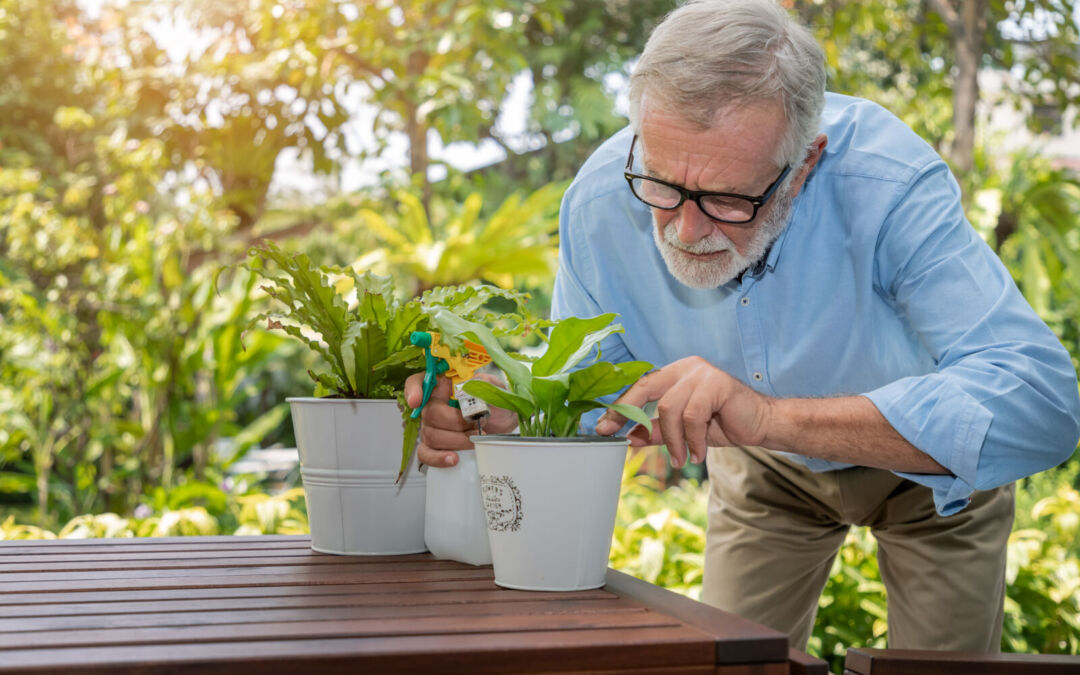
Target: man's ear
812, 157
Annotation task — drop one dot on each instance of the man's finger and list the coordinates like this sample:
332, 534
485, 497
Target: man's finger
438, 458
640, 437
414, 385
414, 389
441, 415
648, 388
446, 439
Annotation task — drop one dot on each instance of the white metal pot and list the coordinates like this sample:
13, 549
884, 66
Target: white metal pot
550, 505
454, 527
350, 451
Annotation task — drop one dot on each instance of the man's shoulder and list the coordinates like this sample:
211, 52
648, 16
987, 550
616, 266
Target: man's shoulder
866, 139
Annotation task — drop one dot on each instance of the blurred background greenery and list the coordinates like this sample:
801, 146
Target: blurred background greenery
146, 144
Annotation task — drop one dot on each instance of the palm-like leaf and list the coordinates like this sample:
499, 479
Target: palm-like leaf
516, 242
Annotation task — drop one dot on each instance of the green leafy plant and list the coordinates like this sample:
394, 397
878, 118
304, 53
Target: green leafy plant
361, 330
1043, 577
550, 397
515, 243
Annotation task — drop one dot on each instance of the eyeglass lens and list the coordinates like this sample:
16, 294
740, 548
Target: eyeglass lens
664, 196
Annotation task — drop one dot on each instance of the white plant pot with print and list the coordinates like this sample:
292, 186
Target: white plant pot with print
350, 452
454, 527
550, 505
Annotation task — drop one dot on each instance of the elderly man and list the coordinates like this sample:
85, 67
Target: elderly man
837, 342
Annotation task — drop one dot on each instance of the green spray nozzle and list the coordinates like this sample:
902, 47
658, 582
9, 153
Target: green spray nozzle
433, 367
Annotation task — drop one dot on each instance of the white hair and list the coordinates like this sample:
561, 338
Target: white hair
708, 55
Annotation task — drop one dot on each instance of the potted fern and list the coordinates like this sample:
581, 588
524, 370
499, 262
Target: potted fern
550, 495
365, 496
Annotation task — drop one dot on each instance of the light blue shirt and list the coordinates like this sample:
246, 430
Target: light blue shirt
878, 286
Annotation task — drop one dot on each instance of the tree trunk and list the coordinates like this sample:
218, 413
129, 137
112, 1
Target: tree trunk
417, 129
43, 495
968, 39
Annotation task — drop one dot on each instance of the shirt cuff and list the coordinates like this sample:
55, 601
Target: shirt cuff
944, 421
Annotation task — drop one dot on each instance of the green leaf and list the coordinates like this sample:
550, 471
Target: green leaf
410, 432
631, 412
368, 341
603, 378
550, 393
571, 340
410, 356
498, 396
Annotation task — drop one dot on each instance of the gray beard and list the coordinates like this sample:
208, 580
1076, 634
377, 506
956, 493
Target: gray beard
715, 273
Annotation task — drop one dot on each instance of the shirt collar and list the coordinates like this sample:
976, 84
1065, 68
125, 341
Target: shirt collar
772, 256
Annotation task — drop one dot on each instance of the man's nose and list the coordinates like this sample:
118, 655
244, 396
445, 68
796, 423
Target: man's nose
694, 225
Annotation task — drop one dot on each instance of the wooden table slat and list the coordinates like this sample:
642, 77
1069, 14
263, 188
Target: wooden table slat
225, 542
301, 614
210, 567
137, 555
244, 578
463, 653
400, 596
302, 627
483, 582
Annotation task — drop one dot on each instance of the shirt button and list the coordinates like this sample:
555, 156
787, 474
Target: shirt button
744, 301
759, 377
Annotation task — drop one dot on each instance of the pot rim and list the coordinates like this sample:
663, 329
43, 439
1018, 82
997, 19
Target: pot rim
318, 399
516, 438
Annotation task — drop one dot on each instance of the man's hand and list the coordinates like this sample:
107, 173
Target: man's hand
442, 428
698, 406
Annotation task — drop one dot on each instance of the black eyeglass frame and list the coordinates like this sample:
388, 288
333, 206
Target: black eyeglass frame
698, 195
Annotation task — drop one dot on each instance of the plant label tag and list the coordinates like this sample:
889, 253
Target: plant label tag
472, 408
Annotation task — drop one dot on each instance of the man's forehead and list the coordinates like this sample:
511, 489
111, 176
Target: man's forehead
740, 138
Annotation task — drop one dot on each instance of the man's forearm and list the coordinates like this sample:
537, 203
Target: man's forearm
848, 429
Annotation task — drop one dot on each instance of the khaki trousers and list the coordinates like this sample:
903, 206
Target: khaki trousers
775, 527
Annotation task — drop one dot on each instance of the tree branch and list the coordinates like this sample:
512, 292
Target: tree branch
359, 63
949, 14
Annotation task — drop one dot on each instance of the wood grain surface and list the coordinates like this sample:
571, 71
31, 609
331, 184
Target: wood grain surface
230, 604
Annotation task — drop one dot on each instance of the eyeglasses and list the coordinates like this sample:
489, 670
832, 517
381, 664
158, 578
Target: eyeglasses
726, 207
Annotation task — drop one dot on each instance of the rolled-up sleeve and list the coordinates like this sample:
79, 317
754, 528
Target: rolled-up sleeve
1003, 401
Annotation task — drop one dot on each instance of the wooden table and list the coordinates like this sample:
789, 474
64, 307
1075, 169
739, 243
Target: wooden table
234, 604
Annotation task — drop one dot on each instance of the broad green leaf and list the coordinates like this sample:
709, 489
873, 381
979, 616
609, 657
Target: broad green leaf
414, 221
603, 378
571, 340
524, 262
500, 397
377, 224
